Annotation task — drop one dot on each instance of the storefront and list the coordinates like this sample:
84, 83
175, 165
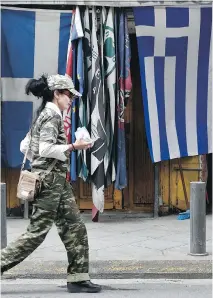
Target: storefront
151, 187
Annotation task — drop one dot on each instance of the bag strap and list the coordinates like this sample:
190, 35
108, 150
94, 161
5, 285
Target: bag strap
49, 169
25, 155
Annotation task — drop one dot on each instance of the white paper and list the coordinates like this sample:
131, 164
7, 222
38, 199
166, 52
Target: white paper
83, 134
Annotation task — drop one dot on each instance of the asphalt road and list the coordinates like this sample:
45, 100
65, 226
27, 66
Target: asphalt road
32, 288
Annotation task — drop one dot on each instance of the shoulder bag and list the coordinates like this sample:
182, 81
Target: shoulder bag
29, 184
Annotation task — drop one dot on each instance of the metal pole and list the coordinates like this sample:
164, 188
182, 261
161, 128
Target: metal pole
3, 216
198, 219
26, 209
156, 199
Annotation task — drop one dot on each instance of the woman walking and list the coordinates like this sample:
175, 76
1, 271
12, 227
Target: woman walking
55, 202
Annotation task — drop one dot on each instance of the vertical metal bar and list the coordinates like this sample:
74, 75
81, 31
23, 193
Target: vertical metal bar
198, 219
3, 216
183, 184
156, 199
26, 209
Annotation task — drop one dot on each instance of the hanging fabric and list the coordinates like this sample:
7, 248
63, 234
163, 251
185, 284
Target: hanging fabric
125, 87
82, 111
176, 79
73, 114
110, 94
103, 15
101, 71
98, 130
69, 116
69, 71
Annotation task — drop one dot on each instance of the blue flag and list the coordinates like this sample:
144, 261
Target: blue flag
73, 118
29, 48
174, 46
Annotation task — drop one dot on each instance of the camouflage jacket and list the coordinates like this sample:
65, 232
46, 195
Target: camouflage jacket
48, 141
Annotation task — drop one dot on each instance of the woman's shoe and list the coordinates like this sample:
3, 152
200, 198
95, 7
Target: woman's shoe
83, 287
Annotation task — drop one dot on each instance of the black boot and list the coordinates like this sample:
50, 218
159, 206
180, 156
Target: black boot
83, 287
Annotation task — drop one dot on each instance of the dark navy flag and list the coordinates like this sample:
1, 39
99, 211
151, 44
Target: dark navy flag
174, 46
33, 42
125, 87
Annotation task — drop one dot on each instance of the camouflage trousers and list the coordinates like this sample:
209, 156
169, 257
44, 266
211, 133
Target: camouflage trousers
55, 204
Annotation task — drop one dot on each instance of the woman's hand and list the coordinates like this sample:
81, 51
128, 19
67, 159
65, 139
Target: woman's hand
80, 145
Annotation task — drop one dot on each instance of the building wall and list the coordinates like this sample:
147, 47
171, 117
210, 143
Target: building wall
115, 3
171, 186
171, 189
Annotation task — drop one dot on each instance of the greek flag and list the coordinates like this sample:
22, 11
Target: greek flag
174, 46
33, 42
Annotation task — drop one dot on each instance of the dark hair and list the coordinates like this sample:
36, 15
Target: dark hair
40, 89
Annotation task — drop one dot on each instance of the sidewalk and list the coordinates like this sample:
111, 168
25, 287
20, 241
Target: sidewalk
121, 248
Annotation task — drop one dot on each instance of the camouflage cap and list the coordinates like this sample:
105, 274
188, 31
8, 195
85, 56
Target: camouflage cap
59, 82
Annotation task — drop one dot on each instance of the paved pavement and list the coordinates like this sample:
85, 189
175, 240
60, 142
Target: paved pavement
122, 247
111, 288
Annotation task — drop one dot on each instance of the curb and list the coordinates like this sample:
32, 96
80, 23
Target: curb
174, 275
201, 269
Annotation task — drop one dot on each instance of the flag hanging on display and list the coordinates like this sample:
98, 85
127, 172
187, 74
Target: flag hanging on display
73, 115
82, 113
174, 46
98, 132
125, 87
33, 42
69, 72
69, 115
110, 94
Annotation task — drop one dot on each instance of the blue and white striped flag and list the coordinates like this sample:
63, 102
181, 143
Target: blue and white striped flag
174, 46
33, 42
